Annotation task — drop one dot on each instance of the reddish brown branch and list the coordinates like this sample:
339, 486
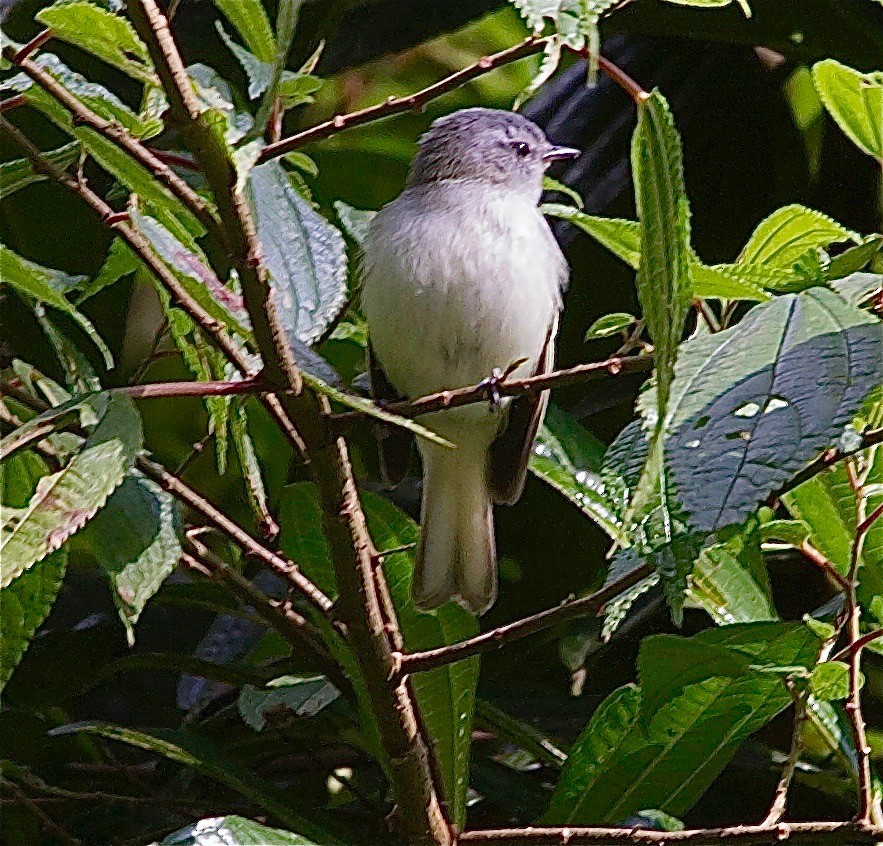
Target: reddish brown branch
511, 387
417, 662
32, 46
795, 832
816, 557
168, 390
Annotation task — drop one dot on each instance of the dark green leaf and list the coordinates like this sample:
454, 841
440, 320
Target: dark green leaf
19, 173
252, 23
46, 285
287, 13
754, 404
301, 696
251, 469
830, 680
234, 831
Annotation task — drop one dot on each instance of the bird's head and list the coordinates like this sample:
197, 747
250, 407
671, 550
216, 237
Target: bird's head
486, 145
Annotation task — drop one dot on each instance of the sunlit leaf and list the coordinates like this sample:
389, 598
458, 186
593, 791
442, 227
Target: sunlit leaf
855, 101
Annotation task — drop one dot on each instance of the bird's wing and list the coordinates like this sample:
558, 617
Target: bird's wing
510, 452
394, 442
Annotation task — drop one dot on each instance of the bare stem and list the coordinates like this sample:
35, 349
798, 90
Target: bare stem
169, 390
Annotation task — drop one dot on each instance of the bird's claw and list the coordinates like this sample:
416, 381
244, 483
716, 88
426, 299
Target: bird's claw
491, 387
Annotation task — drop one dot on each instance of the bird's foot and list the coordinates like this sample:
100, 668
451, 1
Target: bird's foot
491, 387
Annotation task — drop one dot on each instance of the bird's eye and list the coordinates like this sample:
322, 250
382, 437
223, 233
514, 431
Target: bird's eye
522, 148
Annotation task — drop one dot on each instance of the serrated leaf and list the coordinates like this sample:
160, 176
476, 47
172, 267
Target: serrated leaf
303, 252
754, 404
735, 281
568, 458
19, 173
65, 501
663, 278
854, 258
252, 24
259, 73
354, 221
193, 750
78, 373
714, 4
855, 101
135, 540
621, 237
233, 831
299, 696
100, 32
96, 97
446, 696
662, 744
27, 600
793, 532
788, 233
46, 285
830, 681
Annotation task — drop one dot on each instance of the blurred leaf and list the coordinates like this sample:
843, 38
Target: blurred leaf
19, 173
663, 278
96, 97
46, 285
855, 101
830, 681
251, 469
234, 831
100, 32
78, 373
662, 744
559, 187
135, 540
568, 457
192, 750
783, 237
300, 696
714, 4
609, 324
27, 600
754, 404
252, 23
65, 501
303, 252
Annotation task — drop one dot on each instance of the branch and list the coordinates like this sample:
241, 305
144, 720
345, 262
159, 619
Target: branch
118, 135
509, 387
418, 797
411, 102
796, 832
417, 662
169, 390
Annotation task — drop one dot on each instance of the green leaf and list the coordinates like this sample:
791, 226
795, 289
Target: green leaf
559, 187
251, 468
753, 405
568, 457
27, 600
621, 237
662, 744
65, 501
252, 23
793, 532
446, 695
354, 221
858, 288
193, 750
78, 373
108, 36
135, 540
855, 101
234, 831
120, 262
663, 278
304, 253
46, 285
714, 4
782, 238
830, 681
854, 258
259, 73
366, 406
735, 281
301, 696
96, 97
287, 13
19, 173
610, 324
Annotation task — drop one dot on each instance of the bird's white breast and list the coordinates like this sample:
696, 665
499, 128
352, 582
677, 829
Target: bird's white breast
459, 279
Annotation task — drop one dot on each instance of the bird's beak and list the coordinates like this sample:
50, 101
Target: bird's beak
559, 153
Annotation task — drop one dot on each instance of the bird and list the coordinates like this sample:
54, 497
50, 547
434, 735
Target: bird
462, 283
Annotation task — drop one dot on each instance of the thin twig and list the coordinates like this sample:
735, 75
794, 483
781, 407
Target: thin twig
169, 390
416, 662
816, 557
45, 820
119, 136
509, 387
795, 832
25, 50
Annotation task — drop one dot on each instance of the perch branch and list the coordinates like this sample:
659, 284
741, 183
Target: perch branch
420, 815
118, 135
509, 387
168, 390
796, 832
416, 662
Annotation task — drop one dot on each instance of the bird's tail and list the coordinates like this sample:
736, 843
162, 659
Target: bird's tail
457, 555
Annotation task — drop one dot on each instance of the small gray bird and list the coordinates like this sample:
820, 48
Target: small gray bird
463, 278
